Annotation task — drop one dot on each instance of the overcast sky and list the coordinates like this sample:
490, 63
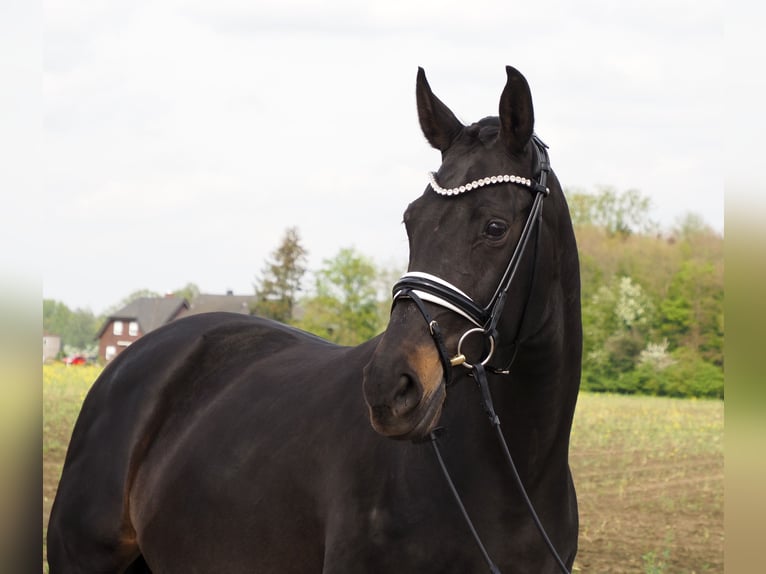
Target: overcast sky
181, 139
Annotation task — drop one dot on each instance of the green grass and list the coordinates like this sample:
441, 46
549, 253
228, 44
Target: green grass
648, 471
64, 389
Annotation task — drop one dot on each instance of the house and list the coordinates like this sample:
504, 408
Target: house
143, 315
136, 319
51, 347
231, 303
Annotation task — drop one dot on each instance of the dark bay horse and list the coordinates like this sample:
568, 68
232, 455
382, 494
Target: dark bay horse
230, 444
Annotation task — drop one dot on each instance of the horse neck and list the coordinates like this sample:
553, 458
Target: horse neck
535, 401
545, 374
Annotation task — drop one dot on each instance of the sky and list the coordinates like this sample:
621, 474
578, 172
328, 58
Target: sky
181, 139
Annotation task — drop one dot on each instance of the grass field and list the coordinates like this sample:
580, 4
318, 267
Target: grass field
649, 478
64, 389
648, 471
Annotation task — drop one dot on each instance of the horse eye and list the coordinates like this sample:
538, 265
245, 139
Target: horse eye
496, 229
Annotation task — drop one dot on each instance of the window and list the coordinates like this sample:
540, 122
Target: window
110, 352
133, 328
117, 328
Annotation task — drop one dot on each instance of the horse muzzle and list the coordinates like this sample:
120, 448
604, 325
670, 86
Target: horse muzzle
404, 390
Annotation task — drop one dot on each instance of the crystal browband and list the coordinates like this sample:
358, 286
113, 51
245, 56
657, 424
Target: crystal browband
480, 183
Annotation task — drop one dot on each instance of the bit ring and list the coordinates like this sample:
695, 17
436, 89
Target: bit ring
486, 359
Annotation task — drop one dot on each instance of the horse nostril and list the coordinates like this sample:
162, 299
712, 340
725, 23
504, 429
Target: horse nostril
405, 386
406, 396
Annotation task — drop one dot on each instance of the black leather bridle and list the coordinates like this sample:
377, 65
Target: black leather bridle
420, 287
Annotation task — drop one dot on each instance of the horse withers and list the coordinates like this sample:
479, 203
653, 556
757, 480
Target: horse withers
224, 443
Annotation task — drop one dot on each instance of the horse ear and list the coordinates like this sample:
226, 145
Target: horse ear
439, 124
517, 118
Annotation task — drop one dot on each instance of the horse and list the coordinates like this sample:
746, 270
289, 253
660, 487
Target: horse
235, 444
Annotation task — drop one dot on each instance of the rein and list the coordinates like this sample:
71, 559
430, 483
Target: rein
419, 287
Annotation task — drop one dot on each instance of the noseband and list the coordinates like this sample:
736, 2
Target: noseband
419, 287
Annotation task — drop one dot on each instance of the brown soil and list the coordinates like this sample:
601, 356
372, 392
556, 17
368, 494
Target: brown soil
663, 517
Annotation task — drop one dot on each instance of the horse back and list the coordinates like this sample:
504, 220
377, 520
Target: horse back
147, 404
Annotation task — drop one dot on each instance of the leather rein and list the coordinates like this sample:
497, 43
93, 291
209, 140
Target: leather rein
422, 287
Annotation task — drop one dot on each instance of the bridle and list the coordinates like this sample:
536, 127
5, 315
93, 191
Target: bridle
417, 285
421, 287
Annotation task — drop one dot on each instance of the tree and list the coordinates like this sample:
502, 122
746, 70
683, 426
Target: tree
77, 328
616, 323
691, 225
345, 307
188, 292
385, 279
619, 213
665, 337
280, 282
692, 313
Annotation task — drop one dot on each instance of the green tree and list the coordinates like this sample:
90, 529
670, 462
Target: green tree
345, 307
691, 225
386, 277
616, 323
674, 346
77, 328
692, 313
280, 281
619, 213
188, 292
685, 374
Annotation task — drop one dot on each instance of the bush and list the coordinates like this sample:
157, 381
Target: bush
688, 375
691, 376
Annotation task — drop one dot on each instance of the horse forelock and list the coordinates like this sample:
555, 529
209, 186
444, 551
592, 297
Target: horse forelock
485, 130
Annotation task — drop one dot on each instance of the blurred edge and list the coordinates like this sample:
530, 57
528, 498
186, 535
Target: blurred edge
20, 286
742, 85
20, 426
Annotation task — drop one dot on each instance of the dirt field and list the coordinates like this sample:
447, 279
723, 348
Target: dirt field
649, 475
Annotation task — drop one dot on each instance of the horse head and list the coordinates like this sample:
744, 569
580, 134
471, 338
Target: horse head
481, 259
